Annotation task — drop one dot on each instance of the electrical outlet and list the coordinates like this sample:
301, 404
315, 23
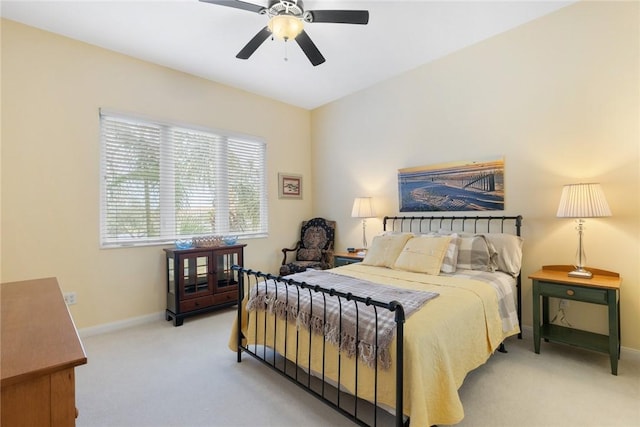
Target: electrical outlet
564, 304
70, 298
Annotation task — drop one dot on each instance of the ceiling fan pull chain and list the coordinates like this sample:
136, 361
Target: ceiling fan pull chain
286, 51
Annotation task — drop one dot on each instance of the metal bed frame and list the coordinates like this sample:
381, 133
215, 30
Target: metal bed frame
319, 387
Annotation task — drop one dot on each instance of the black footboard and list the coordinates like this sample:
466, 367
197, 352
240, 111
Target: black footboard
269, 337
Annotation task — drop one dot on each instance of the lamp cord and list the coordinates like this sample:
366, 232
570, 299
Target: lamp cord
561, 317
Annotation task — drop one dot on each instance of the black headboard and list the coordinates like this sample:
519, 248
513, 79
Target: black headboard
469, 224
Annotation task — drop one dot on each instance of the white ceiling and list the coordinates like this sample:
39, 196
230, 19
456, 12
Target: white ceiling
202, 39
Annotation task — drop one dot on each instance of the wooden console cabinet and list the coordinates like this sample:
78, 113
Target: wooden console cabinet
40, 349
201, 280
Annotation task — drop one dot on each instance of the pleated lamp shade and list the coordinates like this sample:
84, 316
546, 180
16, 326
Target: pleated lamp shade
362, 208
583, 201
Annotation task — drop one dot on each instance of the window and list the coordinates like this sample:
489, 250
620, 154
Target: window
162, 182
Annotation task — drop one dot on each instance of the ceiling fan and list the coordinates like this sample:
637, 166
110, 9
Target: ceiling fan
286, 22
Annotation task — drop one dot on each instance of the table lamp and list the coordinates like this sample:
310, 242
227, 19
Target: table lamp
582, 201
363, 208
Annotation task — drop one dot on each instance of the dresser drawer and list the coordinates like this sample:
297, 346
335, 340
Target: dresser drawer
565, 291
225, 297
196, 303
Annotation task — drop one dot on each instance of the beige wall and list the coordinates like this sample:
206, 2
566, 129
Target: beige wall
52, 90
558, 98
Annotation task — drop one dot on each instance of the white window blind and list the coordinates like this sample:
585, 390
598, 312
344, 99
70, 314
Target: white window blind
162, 182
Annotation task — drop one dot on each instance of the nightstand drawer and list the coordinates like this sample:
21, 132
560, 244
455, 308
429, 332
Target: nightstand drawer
596, 296
340, 261
344, 258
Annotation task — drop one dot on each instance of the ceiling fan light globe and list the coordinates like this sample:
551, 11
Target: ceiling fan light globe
285, 27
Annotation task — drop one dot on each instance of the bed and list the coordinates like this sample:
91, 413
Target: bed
392, 338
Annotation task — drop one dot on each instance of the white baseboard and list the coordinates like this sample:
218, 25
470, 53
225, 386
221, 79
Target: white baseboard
120, 324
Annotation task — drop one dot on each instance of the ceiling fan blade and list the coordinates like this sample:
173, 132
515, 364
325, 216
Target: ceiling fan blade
238, 5
340, 16
254, 43
309, 48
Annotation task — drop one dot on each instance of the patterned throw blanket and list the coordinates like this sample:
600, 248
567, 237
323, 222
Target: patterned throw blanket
307, 309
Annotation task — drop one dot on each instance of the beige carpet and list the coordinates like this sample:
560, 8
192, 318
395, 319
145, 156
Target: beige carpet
155, 375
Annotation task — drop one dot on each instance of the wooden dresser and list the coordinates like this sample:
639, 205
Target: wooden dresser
40, 348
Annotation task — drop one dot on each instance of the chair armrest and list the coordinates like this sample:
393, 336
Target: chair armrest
285, 250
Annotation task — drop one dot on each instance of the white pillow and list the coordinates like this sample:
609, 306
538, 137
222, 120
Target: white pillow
385, 249
423, 254
509, 251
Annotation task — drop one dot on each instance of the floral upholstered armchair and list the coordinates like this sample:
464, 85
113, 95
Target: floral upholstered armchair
314, 249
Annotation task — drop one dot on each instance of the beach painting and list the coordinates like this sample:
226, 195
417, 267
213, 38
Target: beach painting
455, 186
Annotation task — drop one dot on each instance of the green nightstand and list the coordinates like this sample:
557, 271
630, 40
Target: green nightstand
344, 258
603, 288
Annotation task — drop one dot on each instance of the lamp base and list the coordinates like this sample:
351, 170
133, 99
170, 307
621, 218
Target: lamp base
581, 273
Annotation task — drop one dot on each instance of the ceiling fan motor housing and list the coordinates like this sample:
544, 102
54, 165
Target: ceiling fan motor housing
286, 7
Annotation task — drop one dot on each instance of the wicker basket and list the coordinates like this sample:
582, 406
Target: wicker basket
207, 241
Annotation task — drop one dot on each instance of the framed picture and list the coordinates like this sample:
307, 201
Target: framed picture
455, 186
289, 186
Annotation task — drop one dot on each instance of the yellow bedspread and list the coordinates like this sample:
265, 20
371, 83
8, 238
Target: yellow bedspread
450, 336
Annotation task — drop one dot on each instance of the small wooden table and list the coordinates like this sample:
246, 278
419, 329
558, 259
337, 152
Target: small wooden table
603, 288
40, 349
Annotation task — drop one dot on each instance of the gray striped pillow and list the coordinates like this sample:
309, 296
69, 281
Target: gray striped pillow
476, 253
